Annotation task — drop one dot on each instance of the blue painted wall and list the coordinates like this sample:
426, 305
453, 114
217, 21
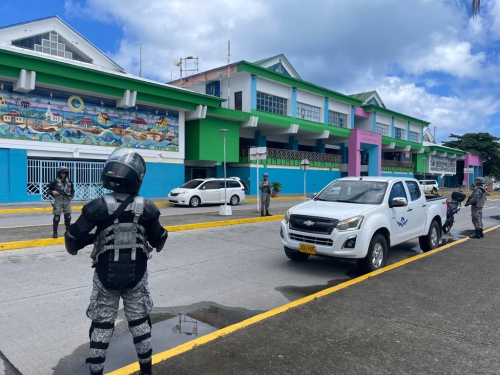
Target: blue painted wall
293, 107
14, 180
291, 179
374, 122
253, 92
161, 178
325, 113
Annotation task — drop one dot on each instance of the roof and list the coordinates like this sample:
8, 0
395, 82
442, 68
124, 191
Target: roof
55, 17
280, 56
365, 96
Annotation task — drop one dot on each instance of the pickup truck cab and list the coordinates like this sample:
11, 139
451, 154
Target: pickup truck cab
361, 218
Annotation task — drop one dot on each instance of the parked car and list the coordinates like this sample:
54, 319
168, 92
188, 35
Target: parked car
209, 191
361, 218
429, 185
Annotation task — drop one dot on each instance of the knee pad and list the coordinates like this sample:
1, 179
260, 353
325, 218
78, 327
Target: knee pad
67, 216
57, 218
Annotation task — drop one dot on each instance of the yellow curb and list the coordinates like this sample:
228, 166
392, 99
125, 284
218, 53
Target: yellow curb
160, 357
49, 209
276, 199
174, 228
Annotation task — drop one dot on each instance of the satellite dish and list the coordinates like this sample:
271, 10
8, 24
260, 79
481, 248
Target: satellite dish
196, 62
176, 62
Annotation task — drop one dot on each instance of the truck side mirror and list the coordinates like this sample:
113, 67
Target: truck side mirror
398, 202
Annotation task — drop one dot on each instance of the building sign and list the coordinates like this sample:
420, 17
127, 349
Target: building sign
438, 164
54, 116
369, 137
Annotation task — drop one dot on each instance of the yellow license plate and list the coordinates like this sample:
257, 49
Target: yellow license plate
308, 249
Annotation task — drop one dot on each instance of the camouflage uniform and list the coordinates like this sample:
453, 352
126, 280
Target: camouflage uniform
477, 200
265, 198
62, 201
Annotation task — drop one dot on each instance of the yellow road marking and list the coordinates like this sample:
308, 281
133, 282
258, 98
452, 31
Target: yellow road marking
77, 208
172, 228
160, 357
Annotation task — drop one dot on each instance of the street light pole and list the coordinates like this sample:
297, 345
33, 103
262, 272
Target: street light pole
226, 210
425, 169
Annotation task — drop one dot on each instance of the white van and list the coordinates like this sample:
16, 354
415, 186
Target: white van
429, 185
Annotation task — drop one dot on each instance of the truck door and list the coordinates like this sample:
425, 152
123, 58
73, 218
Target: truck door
418, 205
401, 217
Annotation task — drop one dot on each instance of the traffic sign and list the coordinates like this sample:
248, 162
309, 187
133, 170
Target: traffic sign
468, 170
258, 153
304, 164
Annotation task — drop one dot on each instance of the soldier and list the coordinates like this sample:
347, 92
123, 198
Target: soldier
265, 188
476, 200
127, 225
63, 191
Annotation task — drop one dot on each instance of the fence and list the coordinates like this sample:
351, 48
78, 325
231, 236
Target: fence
276, 156
85, 175
397, 166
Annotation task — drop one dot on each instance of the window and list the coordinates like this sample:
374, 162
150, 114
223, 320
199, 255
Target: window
271, 103
362, 192
413, 137
238, 101
373, 101
399, 133
382, 129
210, 185
337, 119
213, 88
308, 112
397, 191
414, 190
193, 184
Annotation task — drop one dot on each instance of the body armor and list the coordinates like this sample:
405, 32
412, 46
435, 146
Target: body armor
124, 245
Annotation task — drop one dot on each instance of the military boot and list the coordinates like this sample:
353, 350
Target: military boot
481, 233
262, 213
97, 373
146, 368
477, 234
268, 214
55, 224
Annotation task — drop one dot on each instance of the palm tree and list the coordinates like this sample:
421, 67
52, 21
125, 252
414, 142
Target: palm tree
475, 8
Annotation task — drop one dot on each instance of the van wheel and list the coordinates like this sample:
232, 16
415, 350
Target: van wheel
194, 201
296, 256
431, 240
377, 255
234, 200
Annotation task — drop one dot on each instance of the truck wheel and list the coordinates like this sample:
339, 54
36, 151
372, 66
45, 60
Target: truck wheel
296, 256
431, 240
377, 255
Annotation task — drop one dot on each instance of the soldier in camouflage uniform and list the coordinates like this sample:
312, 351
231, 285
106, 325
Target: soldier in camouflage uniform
477, 200
265, 198
127, 225
63, 191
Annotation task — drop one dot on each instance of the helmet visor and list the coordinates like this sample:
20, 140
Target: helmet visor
129, 158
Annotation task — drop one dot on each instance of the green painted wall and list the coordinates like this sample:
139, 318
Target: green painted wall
204, 141
419, 162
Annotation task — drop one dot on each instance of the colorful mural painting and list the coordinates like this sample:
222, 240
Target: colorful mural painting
438, 164
54, 116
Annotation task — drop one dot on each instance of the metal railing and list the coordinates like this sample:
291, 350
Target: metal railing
397, 166
276, 156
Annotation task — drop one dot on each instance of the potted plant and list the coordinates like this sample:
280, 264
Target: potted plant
276, 187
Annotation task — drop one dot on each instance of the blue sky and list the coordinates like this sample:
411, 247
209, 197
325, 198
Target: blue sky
426, 58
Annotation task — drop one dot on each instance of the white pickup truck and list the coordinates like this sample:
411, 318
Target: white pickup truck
361, 218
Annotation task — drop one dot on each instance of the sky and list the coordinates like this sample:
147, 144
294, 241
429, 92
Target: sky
425, 58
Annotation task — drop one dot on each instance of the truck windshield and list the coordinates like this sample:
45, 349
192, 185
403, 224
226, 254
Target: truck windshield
361, 192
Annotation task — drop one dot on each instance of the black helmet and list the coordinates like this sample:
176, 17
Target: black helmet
479, 181
124, 171
62, 169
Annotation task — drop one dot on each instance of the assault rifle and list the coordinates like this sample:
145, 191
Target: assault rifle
61, 192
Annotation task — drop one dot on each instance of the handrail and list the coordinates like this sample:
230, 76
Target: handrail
277, 153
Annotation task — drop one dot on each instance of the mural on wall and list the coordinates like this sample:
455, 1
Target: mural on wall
438, 164
54, 116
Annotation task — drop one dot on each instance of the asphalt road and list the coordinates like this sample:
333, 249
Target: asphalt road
211, 277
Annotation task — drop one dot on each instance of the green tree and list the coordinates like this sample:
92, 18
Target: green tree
483, 144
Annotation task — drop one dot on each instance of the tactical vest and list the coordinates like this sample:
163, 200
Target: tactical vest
122, 244
482, 198
64, 187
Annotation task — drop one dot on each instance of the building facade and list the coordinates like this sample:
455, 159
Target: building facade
62, 101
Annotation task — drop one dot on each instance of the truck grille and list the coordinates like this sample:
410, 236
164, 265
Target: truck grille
310, 239
312, 224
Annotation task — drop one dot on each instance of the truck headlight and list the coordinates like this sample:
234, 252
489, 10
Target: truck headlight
287, 217
350, 224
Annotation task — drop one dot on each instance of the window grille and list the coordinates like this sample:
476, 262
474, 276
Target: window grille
308, 112
382, 129
271, 103
399, 133
337, 119
413, 137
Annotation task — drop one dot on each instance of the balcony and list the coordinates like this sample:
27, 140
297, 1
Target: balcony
276, 156
397, 166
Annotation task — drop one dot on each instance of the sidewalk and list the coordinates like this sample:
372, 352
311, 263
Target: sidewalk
436, 314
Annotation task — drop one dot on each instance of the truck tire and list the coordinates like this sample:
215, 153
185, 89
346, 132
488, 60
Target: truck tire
296, 256
431, 240
377, 255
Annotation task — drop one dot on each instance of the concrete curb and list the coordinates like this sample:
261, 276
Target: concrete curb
160, 357
174, 228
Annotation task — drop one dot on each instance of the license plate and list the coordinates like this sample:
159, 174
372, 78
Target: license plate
308, 249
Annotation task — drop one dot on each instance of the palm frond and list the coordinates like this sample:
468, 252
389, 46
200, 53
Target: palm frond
475, 8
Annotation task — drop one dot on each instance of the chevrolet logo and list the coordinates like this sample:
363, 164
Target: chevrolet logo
309, 223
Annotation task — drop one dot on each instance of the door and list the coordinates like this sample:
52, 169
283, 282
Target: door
418, 204
209, 192
401, 218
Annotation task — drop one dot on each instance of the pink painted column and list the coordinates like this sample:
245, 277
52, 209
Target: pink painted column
371, 141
